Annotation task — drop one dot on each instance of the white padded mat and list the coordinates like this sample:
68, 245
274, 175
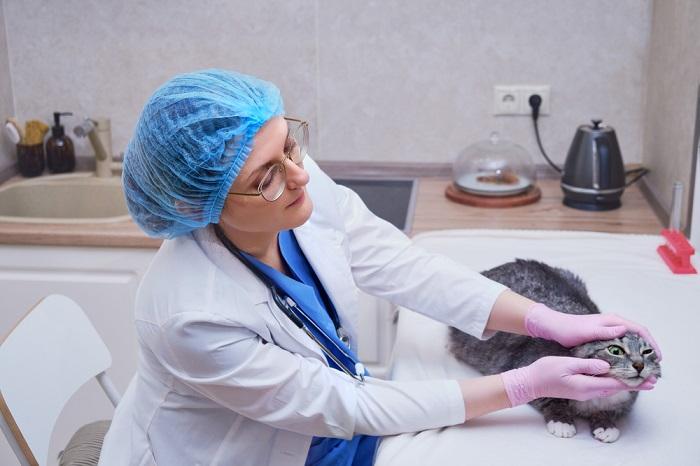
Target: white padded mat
624, 275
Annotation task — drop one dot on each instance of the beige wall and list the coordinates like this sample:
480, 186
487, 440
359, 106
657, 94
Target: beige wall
674, 75
420, 78
379, 80
7, 107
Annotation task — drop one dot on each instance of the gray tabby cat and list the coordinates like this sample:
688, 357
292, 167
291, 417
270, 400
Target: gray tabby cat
631, 358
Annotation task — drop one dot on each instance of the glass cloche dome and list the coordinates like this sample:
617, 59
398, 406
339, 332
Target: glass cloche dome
494, 167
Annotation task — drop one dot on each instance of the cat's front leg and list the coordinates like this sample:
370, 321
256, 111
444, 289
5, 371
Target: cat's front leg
557, 415
603, 426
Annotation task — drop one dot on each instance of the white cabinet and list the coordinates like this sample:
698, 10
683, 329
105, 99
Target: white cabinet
104, 282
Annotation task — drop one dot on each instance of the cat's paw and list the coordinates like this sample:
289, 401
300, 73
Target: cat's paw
561, 429
606, 434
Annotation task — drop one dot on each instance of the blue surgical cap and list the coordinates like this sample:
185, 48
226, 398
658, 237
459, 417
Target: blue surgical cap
190, 142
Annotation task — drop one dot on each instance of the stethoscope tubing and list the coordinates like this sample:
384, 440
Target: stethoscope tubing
286, 308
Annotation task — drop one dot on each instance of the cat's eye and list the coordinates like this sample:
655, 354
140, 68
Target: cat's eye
647, 352
615, 350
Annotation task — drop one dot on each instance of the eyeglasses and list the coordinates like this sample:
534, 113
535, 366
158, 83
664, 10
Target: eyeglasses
272, 185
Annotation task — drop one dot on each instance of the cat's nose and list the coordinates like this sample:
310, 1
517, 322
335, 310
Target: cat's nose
638, 365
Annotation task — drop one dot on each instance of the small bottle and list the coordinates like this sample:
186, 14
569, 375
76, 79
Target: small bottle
674, 222
60, 155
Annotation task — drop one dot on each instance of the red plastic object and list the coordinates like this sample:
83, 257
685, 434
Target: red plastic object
676, 252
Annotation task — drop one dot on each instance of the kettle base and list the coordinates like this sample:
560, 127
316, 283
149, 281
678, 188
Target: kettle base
593, 206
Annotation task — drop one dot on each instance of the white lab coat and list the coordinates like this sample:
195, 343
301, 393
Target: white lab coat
224, 377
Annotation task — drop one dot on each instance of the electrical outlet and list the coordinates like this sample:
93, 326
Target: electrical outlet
514, 99
506, 100
526, 91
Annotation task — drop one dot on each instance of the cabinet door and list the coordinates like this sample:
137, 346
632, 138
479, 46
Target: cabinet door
103, 281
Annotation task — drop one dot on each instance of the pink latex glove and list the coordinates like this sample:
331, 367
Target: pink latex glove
571, 330
564, 377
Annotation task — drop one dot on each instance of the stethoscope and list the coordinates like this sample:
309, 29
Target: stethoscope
290, 308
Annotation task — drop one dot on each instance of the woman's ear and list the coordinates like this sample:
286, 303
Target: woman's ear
180, 206
188, 210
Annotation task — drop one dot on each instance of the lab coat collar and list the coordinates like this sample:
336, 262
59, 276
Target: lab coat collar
322, 246
224, 260
257, 292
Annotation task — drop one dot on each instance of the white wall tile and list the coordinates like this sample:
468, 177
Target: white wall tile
388, 81
106, 58
413, 80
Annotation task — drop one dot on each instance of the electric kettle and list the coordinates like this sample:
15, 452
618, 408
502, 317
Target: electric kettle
594, 175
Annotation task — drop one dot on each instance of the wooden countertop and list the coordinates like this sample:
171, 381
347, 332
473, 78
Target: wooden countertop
116, 234
433, 211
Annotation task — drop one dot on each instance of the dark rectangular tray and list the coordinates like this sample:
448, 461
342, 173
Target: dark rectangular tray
392, 199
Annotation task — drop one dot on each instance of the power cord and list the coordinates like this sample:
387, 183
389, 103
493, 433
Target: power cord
535, 102
641, 170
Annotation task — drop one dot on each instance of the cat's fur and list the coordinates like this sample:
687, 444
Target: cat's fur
563, 291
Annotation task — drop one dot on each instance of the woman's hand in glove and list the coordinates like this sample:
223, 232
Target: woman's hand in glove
572, 330
564, 377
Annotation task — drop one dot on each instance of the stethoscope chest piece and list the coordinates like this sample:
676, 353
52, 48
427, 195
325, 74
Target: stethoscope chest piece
344, 336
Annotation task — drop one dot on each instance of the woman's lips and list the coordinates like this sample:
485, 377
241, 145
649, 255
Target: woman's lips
298, 200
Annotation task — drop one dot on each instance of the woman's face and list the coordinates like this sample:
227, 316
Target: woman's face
255, 214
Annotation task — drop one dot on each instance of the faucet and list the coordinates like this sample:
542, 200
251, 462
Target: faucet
103, 155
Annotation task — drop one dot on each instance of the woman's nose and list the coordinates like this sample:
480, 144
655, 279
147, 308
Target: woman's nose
296, 175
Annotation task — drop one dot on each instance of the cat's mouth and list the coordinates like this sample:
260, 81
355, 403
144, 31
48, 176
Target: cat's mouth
630, 381
633, 381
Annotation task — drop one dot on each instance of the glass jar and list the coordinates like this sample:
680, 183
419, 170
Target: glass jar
30, 159
494, 167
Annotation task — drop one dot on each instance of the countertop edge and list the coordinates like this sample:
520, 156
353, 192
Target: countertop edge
126, 234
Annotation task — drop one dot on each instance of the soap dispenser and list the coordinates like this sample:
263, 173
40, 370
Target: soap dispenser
60, 154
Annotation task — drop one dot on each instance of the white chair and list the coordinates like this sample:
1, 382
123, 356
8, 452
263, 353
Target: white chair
44, 360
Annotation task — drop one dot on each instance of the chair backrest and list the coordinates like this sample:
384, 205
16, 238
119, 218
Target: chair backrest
44, 360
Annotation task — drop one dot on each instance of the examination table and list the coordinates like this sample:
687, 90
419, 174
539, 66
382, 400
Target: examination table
624, 275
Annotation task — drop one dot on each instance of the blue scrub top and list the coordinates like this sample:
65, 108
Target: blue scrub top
307, 291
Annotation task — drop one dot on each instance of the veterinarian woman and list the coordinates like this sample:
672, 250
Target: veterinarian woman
246, 316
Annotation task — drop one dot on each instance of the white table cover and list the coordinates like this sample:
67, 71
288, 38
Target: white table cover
624, 275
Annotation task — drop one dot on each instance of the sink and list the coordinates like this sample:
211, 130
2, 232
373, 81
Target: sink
69, 198
84, 198
392, 199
